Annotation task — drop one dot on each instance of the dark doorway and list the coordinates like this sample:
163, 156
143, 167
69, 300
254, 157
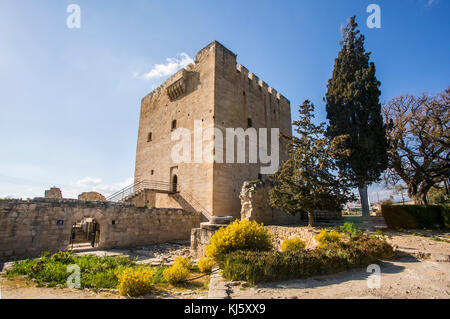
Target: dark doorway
174, 183
85, 233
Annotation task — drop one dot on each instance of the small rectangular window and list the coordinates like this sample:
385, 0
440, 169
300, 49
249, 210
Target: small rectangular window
249, 122
149, 137
174, 124
151, 172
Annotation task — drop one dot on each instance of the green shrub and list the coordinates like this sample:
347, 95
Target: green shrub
445, 212
239, 235
351, 230
412, 216
265, 266
96, 272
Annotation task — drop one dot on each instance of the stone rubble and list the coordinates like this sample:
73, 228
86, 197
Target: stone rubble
279, 233
160, 254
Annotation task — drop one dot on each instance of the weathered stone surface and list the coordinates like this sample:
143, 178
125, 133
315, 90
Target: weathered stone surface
217, 93
218, 287
92, 196
221, 219
53, 192
200, 238
29, 227
279, 233
255, 205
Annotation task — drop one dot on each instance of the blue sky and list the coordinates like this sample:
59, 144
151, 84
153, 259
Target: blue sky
70, 98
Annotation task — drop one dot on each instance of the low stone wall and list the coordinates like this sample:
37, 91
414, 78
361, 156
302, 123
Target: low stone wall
29, 227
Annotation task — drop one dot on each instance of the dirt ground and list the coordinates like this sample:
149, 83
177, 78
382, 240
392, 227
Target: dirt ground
421, 271
402, 278
24, 289
154, 255
19, 288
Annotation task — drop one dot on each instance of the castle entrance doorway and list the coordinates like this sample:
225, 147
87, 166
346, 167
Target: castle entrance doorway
85, 233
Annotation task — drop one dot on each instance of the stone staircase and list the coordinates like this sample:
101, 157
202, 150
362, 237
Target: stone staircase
133, 191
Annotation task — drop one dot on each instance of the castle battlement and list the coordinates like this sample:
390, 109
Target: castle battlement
256, 83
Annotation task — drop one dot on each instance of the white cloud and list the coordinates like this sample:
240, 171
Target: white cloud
88, 184
171, 66
428, 3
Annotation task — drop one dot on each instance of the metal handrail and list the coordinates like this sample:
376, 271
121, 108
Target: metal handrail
141, 185
132, 189
200, 208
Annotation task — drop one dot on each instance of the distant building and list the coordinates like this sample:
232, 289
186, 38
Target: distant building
53, 192
92, 196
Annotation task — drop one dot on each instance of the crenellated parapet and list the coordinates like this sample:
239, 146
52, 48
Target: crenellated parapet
256, 83
176, 84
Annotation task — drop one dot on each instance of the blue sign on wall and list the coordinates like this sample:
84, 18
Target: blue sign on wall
59, 222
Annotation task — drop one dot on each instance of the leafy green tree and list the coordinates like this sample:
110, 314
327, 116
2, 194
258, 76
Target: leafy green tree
356, 125
306, 181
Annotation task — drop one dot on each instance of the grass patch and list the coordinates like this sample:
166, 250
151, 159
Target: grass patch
436, 238
51, 270
95, 272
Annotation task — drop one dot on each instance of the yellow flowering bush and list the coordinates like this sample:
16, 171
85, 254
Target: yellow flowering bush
324, 238
177, 273
205, 265
184, 261
135, 281
292, 244
239, 235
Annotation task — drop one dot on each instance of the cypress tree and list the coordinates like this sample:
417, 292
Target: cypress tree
356, 127
307, 180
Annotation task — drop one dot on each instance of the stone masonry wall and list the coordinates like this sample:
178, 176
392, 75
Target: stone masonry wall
214, 92
255, 206
29, 227
240, 97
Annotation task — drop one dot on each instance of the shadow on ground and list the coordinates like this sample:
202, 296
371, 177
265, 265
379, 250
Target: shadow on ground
387, 267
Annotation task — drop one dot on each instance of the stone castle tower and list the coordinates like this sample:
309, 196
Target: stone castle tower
215, 92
